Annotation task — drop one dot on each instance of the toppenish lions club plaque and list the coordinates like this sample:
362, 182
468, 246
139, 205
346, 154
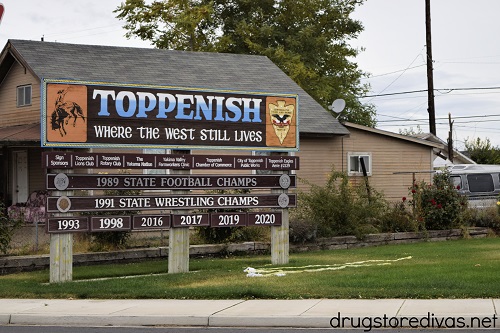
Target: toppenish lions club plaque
79, 114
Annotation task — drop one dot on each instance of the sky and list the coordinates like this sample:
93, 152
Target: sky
465, 52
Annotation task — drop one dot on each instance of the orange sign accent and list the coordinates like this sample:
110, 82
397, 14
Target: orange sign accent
66, 113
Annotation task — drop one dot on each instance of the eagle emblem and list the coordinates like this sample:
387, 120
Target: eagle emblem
281, 118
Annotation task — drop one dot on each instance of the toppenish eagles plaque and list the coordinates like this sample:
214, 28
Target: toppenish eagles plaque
77, 114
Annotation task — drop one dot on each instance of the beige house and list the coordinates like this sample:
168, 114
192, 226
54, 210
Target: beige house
391, 160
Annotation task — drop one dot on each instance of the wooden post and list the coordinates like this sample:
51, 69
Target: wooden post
178, 240
61, 248
280, 235
61, 258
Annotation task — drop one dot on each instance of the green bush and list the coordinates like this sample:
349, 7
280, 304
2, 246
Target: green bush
340, 208
301, 229
439, 205
399, 218
489, 218
7, 229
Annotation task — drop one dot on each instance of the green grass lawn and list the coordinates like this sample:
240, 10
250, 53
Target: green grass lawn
453, 269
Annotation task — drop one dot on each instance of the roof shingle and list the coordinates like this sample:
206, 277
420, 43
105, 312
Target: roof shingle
128, 65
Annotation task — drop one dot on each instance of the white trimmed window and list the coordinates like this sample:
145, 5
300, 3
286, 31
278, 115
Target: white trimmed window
354, 164
24, 95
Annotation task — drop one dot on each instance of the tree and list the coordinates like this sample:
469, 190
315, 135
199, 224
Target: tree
482, 152
411, 131
307, 39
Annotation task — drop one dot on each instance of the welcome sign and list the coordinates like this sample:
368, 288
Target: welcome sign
78, 114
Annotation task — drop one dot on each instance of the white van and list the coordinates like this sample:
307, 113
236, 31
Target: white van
479, 182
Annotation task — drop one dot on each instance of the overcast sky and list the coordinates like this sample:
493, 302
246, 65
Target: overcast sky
465, 48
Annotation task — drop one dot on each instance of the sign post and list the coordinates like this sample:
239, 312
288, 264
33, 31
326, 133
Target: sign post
280, 240
61, 250
178, 239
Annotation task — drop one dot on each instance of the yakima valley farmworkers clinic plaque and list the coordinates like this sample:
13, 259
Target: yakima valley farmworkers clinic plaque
78, 114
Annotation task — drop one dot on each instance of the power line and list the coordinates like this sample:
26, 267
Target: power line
389, 73
441, 118
448, 90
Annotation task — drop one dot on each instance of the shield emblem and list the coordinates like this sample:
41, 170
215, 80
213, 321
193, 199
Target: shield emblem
281, 118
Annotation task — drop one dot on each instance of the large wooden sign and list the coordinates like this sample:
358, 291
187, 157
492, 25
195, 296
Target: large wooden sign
70, 181
78, 114
76, 160
65, 204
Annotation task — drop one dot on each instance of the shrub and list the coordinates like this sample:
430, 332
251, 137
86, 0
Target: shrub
340, 208
7, 229
301, 229
439, 205
488, 217
399, 218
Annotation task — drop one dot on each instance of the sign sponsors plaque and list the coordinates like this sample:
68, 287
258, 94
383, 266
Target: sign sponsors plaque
77, 114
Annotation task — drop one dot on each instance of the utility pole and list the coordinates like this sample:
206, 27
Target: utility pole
450, 139
430, 78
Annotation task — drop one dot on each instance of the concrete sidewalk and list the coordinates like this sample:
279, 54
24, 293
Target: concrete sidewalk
307, 313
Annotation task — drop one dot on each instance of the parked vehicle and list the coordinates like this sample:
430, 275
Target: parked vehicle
479, 182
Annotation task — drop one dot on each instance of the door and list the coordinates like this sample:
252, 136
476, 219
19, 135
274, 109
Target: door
20, 178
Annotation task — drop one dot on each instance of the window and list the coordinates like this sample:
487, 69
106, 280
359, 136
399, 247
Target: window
355, 166
23, 95
456, 181
480, 183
